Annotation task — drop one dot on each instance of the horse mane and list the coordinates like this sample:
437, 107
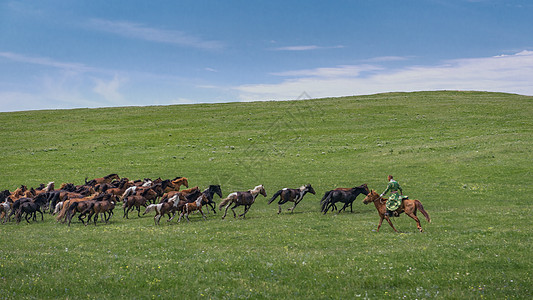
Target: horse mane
111, 175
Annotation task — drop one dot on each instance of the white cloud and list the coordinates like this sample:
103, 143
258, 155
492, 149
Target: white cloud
340, 71
110, 89
142, 32
509, 73
45, 61
306, 48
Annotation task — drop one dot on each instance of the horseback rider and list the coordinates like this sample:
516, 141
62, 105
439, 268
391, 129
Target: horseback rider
395, 199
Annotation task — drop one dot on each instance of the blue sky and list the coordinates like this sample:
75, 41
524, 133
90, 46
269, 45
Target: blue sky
71, 54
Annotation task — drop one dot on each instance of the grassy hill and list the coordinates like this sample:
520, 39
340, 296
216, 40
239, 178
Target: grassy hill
466, 155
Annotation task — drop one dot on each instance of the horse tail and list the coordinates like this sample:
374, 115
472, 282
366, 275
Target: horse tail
275, 196
421, 208
224, 202
324, 197
63, 210
325, 202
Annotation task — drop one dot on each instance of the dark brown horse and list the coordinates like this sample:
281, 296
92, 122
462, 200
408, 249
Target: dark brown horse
103, 206
343, 195
134, 201
409, 206
242, 198
292, 195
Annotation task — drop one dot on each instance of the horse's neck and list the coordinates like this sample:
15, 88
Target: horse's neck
255, 191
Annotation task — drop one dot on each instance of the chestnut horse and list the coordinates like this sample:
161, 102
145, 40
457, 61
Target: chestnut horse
242, 198
176, 183
105, 179
409, 206
292, 195
194, 206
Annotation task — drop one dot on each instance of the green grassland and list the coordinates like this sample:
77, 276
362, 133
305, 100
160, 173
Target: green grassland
466, 155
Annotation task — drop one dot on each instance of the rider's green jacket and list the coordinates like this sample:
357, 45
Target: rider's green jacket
394, 200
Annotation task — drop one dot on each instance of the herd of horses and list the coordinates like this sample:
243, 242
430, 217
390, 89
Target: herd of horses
98, 197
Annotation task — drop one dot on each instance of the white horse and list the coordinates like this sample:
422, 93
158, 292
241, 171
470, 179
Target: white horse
5, 209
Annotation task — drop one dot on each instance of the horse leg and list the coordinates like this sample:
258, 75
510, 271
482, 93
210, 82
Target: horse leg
343, 208
296, 203
139, 211
42, 215
233, 210
390, 223
203, 215
414, 217
246, 208
226, 211
381, 217
281, 201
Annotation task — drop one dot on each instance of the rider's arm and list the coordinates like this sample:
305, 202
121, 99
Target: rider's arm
388, 188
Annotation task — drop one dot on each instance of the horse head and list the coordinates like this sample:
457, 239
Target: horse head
371, 197
310, 189
215, 189
262, 190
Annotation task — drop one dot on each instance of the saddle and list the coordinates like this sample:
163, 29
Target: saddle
399, 210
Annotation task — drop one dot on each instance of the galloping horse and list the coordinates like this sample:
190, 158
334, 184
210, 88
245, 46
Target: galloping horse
163, 208
242, 198
194, 206
346, 196
105, 179
209, 193
176, 183
409, 206
292, 195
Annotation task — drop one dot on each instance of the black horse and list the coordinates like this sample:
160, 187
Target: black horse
29, 208
292, 195
40, 201
209, 193
344, 195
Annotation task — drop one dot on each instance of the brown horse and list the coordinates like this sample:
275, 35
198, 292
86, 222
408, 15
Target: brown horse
176, 183
134, 201
106, 205
182, 193
242, 198
409, 206
194, 206
105, 179
163, 208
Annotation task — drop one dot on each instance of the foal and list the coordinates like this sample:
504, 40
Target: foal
194, 206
